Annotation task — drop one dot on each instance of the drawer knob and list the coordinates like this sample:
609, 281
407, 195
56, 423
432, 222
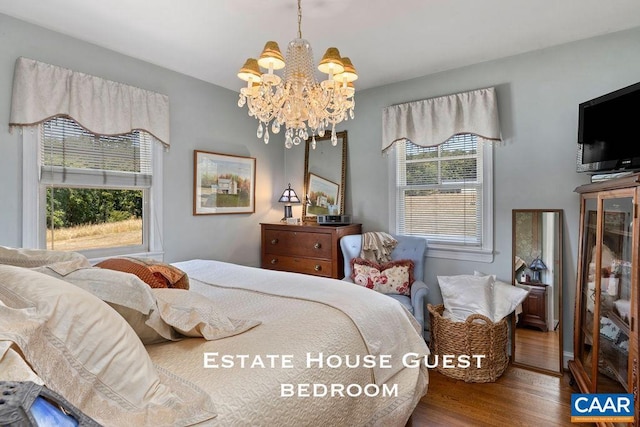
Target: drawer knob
274, 261
317, 245
317, 267
274, 241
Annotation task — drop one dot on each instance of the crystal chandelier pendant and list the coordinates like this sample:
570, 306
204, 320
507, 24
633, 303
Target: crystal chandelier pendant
297, 101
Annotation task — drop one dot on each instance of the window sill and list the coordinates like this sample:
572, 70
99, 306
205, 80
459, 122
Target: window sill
459, 253
158, 256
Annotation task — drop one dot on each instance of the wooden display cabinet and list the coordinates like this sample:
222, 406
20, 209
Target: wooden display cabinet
606, 312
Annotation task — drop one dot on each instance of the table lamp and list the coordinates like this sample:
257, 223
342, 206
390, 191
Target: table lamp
288, 196
537, 266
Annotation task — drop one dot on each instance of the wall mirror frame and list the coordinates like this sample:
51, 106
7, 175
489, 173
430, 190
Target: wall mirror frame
536, 328
325, 170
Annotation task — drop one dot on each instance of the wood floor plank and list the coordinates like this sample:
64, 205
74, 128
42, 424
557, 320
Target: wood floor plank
518, 398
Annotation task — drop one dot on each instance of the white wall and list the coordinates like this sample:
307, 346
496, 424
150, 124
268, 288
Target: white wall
203, 117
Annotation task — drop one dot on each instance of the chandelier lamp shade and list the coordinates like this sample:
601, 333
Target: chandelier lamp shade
297, 101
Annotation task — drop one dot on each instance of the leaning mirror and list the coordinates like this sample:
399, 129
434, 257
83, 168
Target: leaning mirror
324, 176
537, 266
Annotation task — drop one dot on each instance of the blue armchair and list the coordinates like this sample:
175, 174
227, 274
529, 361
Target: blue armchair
408, 247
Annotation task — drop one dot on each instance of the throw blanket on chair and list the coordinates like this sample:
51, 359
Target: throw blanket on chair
377, 246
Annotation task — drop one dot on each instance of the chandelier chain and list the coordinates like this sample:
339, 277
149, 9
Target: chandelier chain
299, 19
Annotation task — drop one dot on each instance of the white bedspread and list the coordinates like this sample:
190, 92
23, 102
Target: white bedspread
299, 314
399, 336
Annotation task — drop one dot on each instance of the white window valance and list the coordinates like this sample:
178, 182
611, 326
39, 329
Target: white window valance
43, 91
433, 121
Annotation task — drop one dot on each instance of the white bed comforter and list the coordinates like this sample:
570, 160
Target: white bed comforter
300, 315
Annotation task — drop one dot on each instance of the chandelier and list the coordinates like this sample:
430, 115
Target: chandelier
298, 101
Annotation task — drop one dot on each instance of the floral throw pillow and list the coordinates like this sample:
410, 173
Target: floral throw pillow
395, 277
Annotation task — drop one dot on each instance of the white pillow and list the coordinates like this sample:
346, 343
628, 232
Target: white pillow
21, 257
83, 350
464, 295
505, 297
155, 314
124, 292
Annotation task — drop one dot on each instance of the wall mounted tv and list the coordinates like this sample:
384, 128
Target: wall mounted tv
609, 132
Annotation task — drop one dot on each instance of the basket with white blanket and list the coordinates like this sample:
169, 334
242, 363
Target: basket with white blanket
473, 351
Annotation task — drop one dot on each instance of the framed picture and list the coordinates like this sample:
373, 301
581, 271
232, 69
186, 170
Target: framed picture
322, 194
223, 184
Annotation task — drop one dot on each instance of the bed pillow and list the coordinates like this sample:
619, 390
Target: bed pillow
464, 295
124, 292
194, 315
21, 257
156, 274
394, 277
154, 316
83, 350
506, 297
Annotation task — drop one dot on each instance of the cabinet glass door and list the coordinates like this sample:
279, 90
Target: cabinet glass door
613, 280
588, 287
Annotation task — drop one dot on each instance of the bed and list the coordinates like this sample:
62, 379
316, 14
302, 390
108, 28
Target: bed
266, 348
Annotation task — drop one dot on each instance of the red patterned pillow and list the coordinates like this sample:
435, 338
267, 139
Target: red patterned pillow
395, 277
154, 273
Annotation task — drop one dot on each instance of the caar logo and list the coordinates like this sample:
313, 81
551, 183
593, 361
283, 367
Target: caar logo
591, 408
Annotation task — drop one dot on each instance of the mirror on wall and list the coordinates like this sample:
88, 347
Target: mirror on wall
537, 266
324, 176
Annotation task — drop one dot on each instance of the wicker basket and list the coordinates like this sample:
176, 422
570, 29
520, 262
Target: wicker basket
471, 337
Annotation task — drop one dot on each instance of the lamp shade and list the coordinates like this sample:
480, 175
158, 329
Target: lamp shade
331, 62
250, 71
289, 196
271, 57
349, 74
537, 265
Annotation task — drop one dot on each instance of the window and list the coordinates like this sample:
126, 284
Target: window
99, 195
444, 194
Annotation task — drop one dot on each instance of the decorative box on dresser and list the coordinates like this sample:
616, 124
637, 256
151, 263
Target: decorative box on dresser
605, 326
308, 248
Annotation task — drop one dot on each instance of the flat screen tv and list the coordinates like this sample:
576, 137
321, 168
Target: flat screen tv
609, 132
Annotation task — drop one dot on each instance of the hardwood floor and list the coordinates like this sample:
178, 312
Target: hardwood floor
537, 348
518, 398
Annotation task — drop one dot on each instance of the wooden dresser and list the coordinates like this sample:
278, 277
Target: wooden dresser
308, 248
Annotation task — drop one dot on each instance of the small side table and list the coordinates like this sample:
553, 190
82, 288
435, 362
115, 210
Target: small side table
534, 307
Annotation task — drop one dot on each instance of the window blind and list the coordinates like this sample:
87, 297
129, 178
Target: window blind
440, 191
73, 156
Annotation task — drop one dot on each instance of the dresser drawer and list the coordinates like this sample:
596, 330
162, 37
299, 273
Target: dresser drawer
318, 267
293, 243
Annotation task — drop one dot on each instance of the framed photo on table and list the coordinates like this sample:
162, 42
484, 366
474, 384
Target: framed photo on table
223, 183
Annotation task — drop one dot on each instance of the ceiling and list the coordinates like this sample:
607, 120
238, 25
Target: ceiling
387, 41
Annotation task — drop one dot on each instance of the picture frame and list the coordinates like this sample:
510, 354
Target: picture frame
223, 183
322, 194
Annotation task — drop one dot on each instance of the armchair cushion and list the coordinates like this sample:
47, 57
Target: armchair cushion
394, 277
